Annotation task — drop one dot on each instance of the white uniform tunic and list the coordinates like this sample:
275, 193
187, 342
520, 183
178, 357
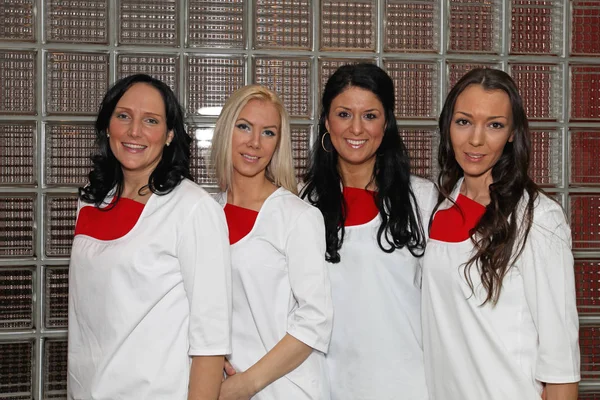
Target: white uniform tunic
502, 351
141, 305
281, 285
376, 351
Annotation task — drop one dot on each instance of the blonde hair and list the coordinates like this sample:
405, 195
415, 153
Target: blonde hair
280, 170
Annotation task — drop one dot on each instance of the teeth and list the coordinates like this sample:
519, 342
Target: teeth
249, 157
134, 146
475, 155
355, 142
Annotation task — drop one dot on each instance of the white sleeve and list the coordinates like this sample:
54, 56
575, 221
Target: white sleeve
203, 253
549, 279
311, 321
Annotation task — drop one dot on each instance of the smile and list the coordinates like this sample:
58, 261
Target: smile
134, 147
250, 158
474, 156
356, 144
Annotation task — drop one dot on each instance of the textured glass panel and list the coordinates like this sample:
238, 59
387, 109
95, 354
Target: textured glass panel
17, 21
16, 226
161, 66
585, 92
540, 86
348, 25
210, 82
216, 23
68, 151
537, 26
75, 82
60, 225
327, 66
416, 86
291, 78
475, 26
589, 396
585, 221
457, 70
16, 370
585, 27
412, 25
422, 144
546, 157
77, 21
17, 82
585, 161
55, 369
16, 297
56, 297
301, 148
17, 149
587, 282
589, 343
151, 22
200, 162
285, 24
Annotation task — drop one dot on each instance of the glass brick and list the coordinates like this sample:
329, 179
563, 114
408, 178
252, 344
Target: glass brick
16, 297
17, 82
17, 153
68, 151
589, 344
55, 369
16, 370
584, 151
17, 20
200, 167
348, 25
587, 283
160, 66
536, 27
588, 396
76, 82
148, 22
327, 66
61, 214
56, 297
545, 164
585, 92
585, 27
290, 77
283, 24
422, 145
301, 148
217, 23
75, 21
585, 221
474, 26
412, 25
17, 221
416, 87
210, 82
457, 70
540, 86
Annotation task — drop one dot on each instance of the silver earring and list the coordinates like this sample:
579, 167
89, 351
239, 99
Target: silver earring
107, 135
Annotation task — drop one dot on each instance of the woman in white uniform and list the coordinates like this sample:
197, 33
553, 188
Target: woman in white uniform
499, 312
149, 278
282, 311
374, 220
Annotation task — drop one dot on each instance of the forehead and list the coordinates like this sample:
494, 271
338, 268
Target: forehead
144, 96
476, 97
356, 97
260, 109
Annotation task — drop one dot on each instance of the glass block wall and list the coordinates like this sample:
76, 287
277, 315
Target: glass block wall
58, 57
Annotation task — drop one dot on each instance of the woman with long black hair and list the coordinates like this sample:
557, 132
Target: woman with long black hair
373, 209
499, 312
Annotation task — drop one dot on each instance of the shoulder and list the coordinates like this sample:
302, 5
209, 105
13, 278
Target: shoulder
289, 208
424, 190
186, 197
547, 212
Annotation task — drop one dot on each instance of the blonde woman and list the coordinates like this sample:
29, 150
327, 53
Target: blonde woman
282, 310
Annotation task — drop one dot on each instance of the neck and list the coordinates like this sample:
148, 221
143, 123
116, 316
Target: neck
477, 188
358, 175
132, 183
249, 192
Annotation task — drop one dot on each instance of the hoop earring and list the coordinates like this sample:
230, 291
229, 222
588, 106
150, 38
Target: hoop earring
323, 142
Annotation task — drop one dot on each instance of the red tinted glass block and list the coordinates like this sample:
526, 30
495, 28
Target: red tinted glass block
585, 25
536, 26
585, 221
457, 70
546, 157
589, 396
585, 92
327, 66
589, 344
348, 25
61, 214
416, 87
587, 282
16, 370
474, 26
540, 87
16, 226
16, 298
68, 151
421, 144
55, 369
17, 153
56, 296
585, 153
412, 25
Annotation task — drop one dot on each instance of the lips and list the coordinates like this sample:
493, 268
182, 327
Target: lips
474, 157
250, 158
356, 144
134, 147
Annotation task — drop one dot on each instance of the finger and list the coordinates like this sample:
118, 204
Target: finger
229, 370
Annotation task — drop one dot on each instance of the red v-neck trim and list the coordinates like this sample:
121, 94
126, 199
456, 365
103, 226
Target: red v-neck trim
452, 225
360, 206
240, 221
109, 224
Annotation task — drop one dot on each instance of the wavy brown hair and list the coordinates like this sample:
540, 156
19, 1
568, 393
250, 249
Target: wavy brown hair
500, 234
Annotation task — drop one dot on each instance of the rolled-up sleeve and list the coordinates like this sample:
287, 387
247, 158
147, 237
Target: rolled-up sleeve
203, 252
311, 322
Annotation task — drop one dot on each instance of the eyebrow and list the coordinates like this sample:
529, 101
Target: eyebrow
251, 124
369, 110
145, 112
489, 118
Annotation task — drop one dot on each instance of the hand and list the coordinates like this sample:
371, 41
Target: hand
236, 387
228, 368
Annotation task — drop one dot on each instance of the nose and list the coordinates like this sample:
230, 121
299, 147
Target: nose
135, 129
356, 127
254, 139
477, 136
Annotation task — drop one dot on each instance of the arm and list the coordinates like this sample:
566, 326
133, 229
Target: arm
206, 374
561, 391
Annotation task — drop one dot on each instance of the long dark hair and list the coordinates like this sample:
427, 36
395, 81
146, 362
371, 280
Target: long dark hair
502, 228
400, 223
174, 165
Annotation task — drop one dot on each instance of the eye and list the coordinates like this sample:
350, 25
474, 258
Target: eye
243, 126
461, 122
370, 116
343, 114
497, 125
121, 115
269, 132
152, 121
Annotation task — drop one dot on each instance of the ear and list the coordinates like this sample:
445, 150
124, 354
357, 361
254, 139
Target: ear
327, 124
170, 137
512, 137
